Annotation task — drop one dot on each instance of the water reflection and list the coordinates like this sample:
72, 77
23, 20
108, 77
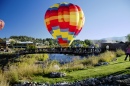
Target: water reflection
63, 58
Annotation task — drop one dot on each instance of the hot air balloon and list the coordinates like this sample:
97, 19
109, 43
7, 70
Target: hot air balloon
1, 24
64, 21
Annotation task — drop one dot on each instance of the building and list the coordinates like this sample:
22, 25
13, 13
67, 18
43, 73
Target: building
23, 44
114, 46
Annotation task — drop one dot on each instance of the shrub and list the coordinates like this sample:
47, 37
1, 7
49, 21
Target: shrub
119, 52
50, 66
26, 70
107, 56
76, 64
42, 57
3, 80
75, 61
75, 67
4, 83
79, 64
92, 60
12, 76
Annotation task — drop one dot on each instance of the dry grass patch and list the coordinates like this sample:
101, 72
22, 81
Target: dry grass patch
3, 80
120, 52
26, 68
90, 61
50, 66
107, 56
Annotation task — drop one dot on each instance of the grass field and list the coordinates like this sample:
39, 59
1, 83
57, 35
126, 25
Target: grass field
26, 68
116, 67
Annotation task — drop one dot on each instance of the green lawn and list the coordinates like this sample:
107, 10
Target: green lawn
117, 67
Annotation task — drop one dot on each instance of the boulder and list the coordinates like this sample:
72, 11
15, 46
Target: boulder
102, 63
56, 67
57, 75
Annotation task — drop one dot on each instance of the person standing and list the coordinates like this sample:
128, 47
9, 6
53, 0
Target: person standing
127, 52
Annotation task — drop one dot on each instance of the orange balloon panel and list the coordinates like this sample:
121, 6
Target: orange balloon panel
64, 21
1, 24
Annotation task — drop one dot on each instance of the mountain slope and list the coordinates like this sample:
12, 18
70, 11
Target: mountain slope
123, 39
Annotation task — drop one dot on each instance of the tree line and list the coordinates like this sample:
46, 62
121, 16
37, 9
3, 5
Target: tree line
48, 41
53, 43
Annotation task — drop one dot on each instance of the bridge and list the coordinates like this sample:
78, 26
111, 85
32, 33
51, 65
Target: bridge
59, 50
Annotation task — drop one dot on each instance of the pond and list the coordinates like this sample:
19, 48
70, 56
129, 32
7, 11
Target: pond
62, 58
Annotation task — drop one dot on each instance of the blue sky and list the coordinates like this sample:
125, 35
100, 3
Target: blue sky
103, 18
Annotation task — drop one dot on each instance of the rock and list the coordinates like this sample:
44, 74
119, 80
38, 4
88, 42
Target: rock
105, 63
56, 67
125, 82
57, 75
63, 84
118, 80
102, 63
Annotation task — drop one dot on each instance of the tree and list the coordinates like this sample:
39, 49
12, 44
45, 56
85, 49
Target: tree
4, 39
97, 45
51, 42
46, 43
12, 42
88, 42
84, 45
31, 46
43, 40
128, 37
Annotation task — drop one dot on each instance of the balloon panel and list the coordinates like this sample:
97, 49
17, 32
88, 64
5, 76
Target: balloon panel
64, 21
1, 24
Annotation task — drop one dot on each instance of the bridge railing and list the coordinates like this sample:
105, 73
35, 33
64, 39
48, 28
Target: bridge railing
77, 50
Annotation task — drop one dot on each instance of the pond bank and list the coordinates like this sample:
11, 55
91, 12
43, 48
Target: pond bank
118, 80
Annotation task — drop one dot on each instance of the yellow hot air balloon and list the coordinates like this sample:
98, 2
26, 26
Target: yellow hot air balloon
64, 21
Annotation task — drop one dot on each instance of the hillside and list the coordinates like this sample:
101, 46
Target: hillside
115, 38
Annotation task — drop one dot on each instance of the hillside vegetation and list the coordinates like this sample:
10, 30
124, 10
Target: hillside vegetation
48, 41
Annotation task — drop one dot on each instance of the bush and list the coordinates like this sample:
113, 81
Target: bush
12, 76
3, 80
107, 56
76, 64
27, 70
119, 52
75, 67
90, 61
50, 66
42, 57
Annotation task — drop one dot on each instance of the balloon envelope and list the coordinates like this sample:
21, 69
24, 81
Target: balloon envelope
1, 24
64, 21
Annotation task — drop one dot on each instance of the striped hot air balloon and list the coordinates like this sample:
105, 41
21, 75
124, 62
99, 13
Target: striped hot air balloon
64, 21
1, 24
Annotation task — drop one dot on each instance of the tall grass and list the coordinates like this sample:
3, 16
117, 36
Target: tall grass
28, 70
120, 52
107, 56
3, 80
50, 66
27, 67
74, 65
11, 76
90, 61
